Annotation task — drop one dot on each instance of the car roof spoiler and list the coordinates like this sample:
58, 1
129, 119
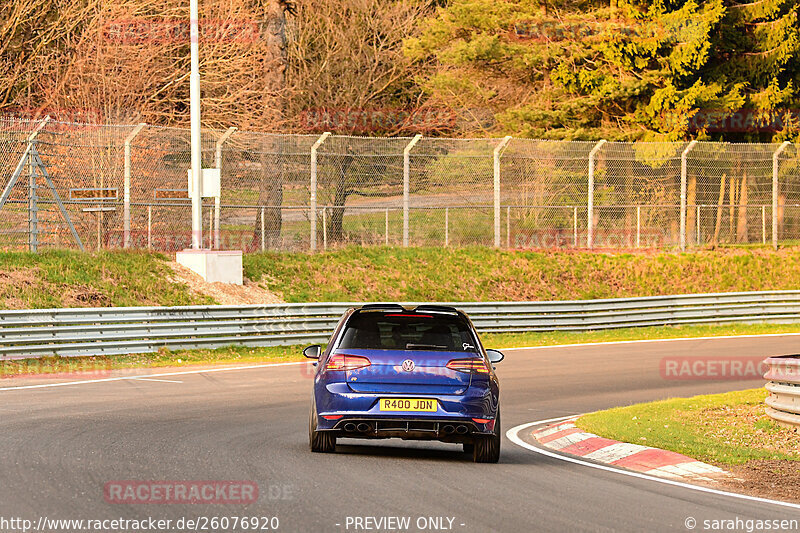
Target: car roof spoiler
425, 308
444, 309
382, 307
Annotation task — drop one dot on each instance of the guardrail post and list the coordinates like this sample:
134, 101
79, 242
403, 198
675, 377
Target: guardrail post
590, 196
126, 187
775, 156
218, 164
683, 193
407, 185
496, 157
312, 211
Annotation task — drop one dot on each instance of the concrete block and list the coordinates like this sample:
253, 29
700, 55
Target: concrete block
223, 266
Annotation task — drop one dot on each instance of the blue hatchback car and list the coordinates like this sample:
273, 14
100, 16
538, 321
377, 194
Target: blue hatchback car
413, 373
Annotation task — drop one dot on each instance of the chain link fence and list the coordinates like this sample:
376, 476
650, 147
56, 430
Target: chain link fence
126, 185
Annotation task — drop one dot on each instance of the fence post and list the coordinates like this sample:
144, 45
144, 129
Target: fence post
683, 193
33, 207
446, 227
575, 226
218, 164
126, 187
775, 156
324, 228
697, 223
312, 212
508, 227
590, 196
407, 184
263, 236
496, 156
638, 226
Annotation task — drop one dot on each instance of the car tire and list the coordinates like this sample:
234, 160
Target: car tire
487, 447
319, 441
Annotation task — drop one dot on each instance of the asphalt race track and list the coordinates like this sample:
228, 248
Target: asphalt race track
60, 445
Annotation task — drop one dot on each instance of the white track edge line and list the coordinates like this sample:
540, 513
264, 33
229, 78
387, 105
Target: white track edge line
160, 375
512, 435
712, 337
102, 380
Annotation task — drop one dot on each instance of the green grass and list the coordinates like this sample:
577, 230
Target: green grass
487, 274
76, 279
116, 278
552, 338
728, 428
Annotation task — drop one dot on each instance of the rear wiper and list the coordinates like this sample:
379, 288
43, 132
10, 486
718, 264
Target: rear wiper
430, 346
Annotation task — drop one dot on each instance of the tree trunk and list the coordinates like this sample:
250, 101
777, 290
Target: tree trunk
720, 201
270, 192
741, 223
691, 212
336, 232
732, 194
270, 195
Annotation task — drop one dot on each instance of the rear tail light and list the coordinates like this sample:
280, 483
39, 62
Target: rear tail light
470, 366
344, 362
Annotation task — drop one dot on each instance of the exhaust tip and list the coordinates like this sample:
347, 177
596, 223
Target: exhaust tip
448, 429
349, 427
462, 430
363, 427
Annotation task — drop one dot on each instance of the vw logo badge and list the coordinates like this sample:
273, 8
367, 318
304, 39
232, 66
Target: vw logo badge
408, 365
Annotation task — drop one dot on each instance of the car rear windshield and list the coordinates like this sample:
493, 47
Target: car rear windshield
408, 331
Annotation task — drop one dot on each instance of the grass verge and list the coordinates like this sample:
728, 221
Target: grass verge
76, 279
124, 278
553, 338
726, 429
488, 274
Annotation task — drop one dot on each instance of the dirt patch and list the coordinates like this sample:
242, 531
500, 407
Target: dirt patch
82, 296
15, 282
223, 293
749, 426
778, 480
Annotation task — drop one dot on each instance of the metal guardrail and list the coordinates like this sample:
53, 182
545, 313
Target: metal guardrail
783, 402
120, 330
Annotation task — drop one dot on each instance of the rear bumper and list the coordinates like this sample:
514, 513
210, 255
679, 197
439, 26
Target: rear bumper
338, 406
447, 430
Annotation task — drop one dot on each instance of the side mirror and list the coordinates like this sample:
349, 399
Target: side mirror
495, 356
312, 352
